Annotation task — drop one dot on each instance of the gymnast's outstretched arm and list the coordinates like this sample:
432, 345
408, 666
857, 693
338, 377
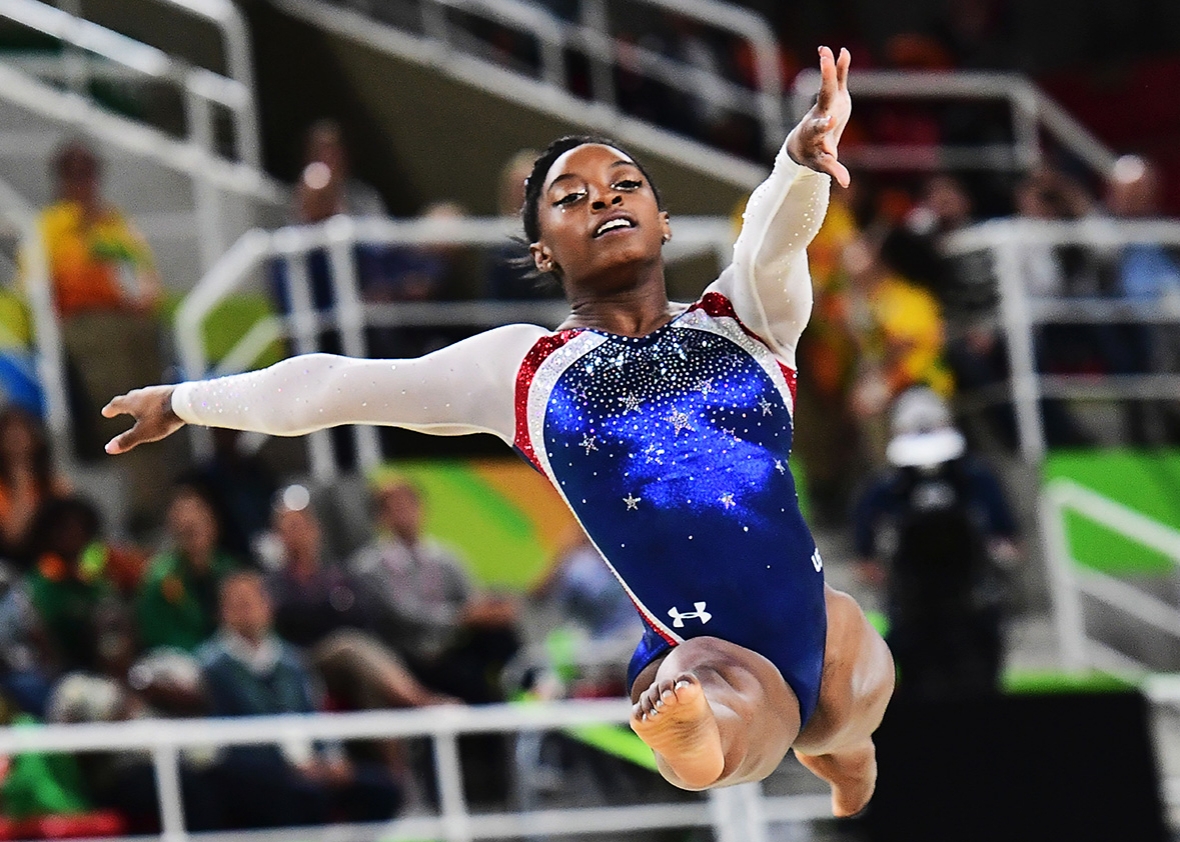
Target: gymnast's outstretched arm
463, 388
768, 282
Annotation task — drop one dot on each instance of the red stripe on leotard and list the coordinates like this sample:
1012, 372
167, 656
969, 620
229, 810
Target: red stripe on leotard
540, 351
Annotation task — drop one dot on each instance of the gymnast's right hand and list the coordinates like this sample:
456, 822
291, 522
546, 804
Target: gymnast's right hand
151, 407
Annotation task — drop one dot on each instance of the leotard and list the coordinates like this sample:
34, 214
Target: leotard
671, 449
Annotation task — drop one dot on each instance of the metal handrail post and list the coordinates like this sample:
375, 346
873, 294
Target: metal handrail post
304, 332
1021, 352
207, 198
1025, 132
166, 762
737, 813
1067, 603
593, 16
350, 320
449, 773
47, 339
240, 64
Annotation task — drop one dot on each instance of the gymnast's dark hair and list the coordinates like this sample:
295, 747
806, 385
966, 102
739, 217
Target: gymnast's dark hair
536, 180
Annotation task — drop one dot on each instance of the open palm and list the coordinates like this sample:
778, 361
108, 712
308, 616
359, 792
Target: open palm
815, 140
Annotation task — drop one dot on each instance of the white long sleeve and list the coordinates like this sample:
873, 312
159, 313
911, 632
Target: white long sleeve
768, 282
468, 387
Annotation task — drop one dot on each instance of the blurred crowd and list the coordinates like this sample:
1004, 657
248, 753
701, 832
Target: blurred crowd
893, 310
223, 613
230, 601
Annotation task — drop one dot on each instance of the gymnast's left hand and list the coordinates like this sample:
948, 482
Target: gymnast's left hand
151, 408
813, 143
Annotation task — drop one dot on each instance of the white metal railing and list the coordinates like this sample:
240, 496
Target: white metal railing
1031, 112
436, 44
47, 344
239, 65
735, 814
200, 87
1020, 312
1069, 581
350, 316
591, 35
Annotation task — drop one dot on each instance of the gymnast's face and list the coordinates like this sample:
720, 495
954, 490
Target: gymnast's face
597, 214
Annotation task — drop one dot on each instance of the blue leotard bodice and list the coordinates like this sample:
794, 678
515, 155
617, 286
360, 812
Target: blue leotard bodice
672, 450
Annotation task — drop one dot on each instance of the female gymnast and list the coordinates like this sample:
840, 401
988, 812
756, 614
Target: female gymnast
666, 428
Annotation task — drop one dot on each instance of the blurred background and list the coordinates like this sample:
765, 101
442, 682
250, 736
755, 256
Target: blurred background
987, 440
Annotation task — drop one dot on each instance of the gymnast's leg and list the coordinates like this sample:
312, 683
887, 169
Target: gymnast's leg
837, 743
714, 713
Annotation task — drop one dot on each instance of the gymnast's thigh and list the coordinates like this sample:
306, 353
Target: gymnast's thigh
857, 680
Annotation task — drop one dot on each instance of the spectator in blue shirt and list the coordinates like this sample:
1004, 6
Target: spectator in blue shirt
249, 671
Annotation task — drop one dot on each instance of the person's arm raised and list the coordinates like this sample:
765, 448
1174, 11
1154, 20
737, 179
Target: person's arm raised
464, 388
769, 284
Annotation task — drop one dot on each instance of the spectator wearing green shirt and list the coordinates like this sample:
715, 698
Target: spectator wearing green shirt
78, 588
177, 602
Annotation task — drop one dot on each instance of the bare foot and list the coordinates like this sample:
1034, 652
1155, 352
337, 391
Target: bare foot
852, 775
675, 720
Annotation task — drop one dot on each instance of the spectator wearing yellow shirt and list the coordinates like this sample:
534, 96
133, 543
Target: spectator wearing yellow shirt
106, 290
900, 336
97, 260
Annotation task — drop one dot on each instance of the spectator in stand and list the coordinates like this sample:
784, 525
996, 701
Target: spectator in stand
24, 678
509, 274
1059, 272
80, 588
317, 607
424, 604
1147, 274
107, 291
326, 188
899, 332
177, 602
250, 671
944, 206
585, 592
125, 781
978, 33
391, 275
242, 487
97, 260
311, 598
325, 146
27, 480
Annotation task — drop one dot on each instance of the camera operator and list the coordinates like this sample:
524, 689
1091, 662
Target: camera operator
937, 531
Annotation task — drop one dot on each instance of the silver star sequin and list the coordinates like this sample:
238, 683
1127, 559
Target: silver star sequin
679, 421
727, 500
630, 403
588, 442
705, 387
632, 502
779, 466
766, 406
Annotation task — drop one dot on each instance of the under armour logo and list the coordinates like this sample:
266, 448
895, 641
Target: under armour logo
816, 561
700, 614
